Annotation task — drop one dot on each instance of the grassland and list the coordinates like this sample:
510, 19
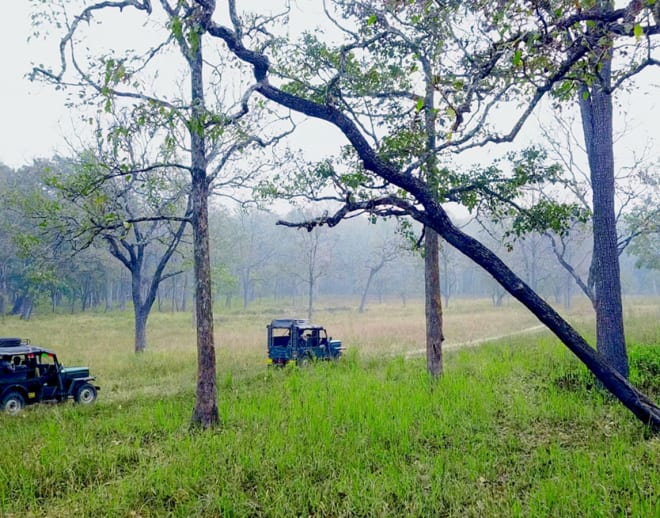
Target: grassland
514, 428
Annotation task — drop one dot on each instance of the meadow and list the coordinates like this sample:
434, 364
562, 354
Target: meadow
515, 427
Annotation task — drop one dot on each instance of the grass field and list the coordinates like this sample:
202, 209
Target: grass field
514, 428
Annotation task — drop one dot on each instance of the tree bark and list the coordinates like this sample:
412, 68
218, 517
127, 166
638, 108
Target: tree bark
596, 111
433, 303
141, 318
205, 413
432, 291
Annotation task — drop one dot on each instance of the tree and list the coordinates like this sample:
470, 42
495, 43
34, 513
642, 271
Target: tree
416, 196
594, 84
636, 199
208, 129
36, 266
114, 198
647, 250
315, 255
9, 262
646, 246
596, 109
386, 252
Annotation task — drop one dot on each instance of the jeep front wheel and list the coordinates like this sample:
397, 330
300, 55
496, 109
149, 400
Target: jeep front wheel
13, 403
85, 394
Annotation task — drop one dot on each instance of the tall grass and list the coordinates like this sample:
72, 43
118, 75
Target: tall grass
514, 428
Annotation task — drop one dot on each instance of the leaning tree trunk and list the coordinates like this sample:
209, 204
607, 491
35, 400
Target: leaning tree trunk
640, 405
205, 413
596, 110
433, 303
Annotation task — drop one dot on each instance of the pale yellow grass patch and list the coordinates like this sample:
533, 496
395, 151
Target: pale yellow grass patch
105, 342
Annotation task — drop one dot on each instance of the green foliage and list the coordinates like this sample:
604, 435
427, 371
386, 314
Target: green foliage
645, 366
176, 26
194, 39
503, 195
399, 147
517, 58
548, 215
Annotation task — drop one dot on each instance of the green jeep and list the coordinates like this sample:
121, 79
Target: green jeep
300, 341
30, 374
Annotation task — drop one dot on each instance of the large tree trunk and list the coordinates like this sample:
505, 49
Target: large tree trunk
141, 317
432, 292
26, 308
205, 413
139, 313
596, 110
433, 303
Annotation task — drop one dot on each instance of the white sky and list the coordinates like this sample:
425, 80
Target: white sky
31, 114
34, 119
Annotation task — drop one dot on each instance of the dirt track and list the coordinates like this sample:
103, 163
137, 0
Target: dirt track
479, 341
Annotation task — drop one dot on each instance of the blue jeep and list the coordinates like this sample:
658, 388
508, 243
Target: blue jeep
299, 341
30, 374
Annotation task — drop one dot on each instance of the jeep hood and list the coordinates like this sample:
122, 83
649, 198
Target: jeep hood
75, 372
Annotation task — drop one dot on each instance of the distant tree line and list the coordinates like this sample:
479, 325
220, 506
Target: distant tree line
359, 263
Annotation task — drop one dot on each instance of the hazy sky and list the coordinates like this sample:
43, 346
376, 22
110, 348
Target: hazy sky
32, 114
35, 119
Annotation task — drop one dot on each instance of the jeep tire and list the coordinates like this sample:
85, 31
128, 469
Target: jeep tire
85, 394
13, 403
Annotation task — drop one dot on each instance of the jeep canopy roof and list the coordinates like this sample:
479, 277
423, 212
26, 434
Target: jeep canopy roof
23, 349
12, 342
286, 323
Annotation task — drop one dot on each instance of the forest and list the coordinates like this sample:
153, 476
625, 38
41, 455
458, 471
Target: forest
460, 191
255, 260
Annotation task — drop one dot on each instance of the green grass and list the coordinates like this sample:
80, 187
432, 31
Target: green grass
515, 428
